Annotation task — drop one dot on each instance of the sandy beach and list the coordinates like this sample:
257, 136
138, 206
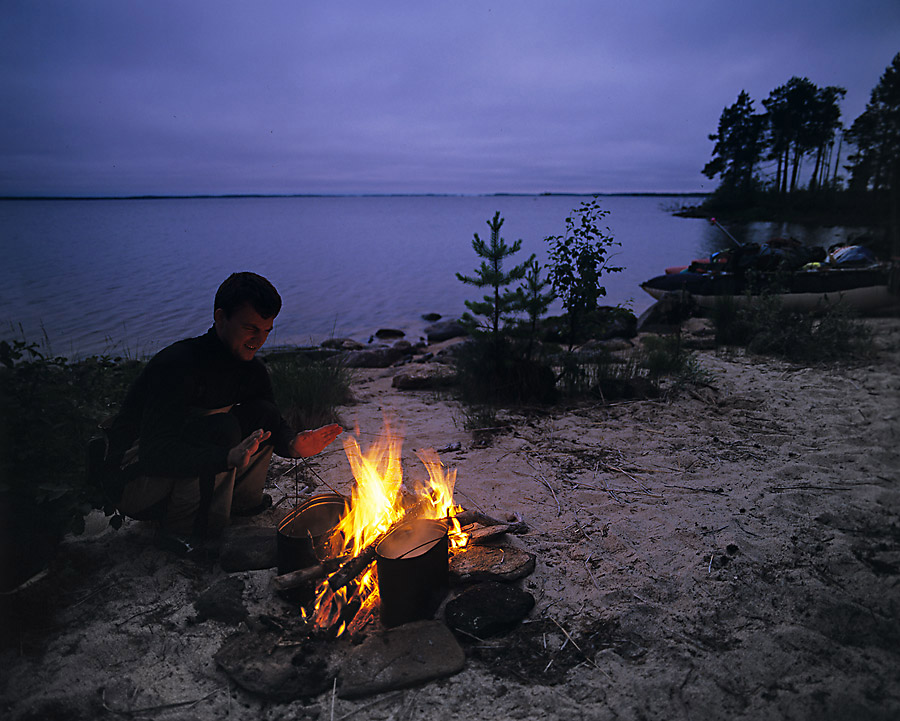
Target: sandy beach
730, 551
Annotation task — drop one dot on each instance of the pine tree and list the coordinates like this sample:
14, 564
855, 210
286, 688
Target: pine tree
532, 299
490, 274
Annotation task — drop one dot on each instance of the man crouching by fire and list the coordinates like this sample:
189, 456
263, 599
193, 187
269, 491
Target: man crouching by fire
192, 443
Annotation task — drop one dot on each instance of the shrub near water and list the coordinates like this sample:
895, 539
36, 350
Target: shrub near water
766, 327
308, 392
49, 410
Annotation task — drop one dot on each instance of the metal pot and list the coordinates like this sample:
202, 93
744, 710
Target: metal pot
306, 535
413, 563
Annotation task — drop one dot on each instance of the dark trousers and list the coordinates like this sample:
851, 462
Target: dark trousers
202, 506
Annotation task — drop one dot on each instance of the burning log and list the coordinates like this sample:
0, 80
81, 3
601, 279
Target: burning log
351, 568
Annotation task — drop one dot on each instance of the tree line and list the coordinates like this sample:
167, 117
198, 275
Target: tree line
802, 122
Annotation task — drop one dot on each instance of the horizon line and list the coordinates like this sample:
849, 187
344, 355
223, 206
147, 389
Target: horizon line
211, 196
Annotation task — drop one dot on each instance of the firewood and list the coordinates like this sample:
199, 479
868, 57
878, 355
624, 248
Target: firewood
350, 568
300, 577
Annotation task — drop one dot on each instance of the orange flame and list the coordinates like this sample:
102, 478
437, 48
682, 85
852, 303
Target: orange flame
378, 501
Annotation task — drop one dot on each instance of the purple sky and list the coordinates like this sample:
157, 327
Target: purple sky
106, 97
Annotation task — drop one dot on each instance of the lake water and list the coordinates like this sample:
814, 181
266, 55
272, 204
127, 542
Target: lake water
131, 276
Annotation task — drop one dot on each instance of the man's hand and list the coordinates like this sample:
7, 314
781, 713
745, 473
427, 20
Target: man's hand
239, 456
308, 443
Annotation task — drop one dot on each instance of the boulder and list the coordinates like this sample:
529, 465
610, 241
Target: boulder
431, 317
667, 314
445, 330
389, 333
342, 344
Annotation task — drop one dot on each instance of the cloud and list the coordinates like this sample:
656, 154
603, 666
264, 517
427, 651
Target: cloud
116, 98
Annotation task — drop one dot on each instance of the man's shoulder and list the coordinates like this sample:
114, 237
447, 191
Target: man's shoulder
180, 353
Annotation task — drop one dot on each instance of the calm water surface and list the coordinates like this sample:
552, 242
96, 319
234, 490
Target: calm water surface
99, 276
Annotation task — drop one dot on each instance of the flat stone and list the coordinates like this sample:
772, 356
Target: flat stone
403, 656
491, 563
248, 548
488, 609
256, 662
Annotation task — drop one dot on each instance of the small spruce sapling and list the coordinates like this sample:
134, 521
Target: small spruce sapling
532, 299
490, 274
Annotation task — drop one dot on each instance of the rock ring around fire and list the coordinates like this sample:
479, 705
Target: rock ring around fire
404, 656
491, 563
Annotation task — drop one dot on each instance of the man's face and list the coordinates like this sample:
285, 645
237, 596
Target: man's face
244, 332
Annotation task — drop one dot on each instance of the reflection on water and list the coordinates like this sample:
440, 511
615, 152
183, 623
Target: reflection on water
131, 276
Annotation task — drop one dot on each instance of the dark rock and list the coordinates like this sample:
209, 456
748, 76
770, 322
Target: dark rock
421, 378
491, 563
488, 609
401, 657
248, 548
342, 344
667, 314
387, 333
431, 317
223, 601
380, 357
256, 663
445, 330
604, 323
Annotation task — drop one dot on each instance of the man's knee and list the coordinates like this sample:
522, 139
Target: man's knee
222, 429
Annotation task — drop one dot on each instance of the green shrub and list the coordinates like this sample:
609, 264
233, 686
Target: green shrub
498, 370
49, 410
309, 392
766, 327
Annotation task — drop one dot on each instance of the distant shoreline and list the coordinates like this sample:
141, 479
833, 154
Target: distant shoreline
230, 196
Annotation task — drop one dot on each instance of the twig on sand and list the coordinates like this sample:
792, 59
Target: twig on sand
811, 487
617, 469
333, 694
151, 709
695, 490
546, 483
379, 700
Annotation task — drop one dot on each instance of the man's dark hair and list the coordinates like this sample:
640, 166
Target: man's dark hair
241, 288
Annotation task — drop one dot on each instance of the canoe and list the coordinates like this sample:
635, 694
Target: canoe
802, 278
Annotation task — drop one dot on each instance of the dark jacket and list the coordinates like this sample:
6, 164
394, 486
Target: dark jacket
178, 385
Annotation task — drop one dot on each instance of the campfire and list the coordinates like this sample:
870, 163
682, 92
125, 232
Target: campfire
387, 547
